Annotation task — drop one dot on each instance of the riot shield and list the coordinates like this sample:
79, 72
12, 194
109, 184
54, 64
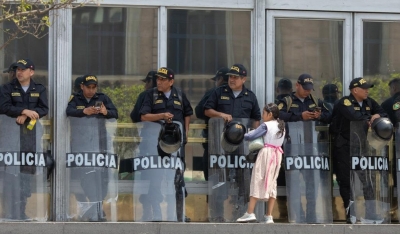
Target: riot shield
92, 169
369, 190
23, 172
158, 182
229, 176
308, 174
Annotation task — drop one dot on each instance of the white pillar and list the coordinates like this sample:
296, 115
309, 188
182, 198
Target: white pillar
60, 67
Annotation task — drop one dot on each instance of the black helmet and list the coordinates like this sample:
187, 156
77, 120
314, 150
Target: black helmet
232, 136
382, 130
170, 137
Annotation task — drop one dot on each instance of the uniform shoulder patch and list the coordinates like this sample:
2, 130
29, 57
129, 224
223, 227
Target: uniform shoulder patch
70, 98
396, 106
280, 106
347, 102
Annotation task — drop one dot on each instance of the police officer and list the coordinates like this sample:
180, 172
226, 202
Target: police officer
171, 104
330, 92
392, 108
283, 89
11, 71
77, 84
167, 103
24, 100
150, 82
355, 107
220, 78
234, 101
301, 105
92, 104
88, 102
392, 104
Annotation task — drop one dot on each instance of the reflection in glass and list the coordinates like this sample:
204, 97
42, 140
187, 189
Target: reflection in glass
309, 46
380, 53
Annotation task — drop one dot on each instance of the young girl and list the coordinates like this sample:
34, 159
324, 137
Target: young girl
266, 168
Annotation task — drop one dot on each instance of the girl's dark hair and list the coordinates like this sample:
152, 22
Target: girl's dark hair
273, 108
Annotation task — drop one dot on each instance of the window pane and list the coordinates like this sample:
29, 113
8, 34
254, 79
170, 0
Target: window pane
199, 43
314, 47
119, 45
381, 62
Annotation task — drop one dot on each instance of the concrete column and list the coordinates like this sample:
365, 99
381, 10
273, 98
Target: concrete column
258, 67
60, 67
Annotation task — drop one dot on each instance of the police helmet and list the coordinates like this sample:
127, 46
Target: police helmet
170, 138
232, 136
382, 130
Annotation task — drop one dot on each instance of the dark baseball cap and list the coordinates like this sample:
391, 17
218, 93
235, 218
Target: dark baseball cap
24, 64
149, 76
78, 81
222, 72
330, 89
89, 79
10, 68
237, 70
284, 83
166, 73
306, 81
360, 82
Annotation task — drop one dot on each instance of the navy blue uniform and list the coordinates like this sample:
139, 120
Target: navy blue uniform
13, 100
179, 108
391, 109
345, 111
245, 105
297, 107
78, 102
135, 115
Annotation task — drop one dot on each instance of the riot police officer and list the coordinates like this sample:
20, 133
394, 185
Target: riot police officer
392, 108
392, 104
220, 78
168, 103
23, 99
11, 71
91, 104
283, 89
88, 102
150, 82
355, 107
233, 100
230, 101
301, 105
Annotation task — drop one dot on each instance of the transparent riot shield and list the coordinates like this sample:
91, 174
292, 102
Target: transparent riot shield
92, 169
23, 172
369, 198
229, 177
308, 174
158, 182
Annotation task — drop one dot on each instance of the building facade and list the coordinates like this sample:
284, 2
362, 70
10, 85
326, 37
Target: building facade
120, 41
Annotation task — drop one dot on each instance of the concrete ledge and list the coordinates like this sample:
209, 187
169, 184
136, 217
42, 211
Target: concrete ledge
185, 228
